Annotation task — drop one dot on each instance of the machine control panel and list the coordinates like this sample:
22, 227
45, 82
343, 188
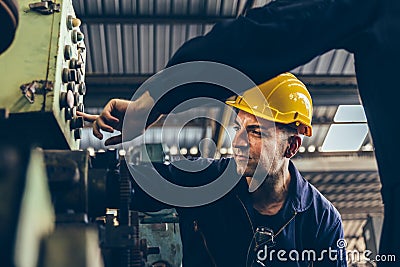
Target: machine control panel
43, 75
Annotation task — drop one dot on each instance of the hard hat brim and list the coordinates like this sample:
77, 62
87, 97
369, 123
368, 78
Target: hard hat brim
303, 129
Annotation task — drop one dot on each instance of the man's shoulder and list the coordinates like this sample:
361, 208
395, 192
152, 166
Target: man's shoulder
323, 205
307, 198
324, 223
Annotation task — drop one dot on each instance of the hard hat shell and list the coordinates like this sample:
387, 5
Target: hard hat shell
283, 99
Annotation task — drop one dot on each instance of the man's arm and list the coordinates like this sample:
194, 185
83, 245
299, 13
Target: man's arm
137, 116
151, 192
270, 40
331, 240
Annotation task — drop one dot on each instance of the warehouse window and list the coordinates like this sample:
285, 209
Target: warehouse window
348, 131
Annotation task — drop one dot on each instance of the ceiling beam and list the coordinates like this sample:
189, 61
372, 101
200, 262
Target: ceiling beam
329, 164
132, 80
325, 90
144, 19
329, 80
325, 82
365, 211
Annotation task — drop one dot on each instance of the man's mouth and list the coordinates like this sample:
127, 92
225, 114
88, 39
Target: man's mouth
241, 157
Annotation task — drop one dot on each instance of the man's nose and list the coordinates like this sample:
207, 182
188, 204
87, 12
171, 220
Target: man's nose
240, 139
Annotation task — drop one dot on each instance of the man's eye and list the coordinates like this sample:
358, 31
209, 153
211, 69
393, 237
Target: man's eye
261, 134
236, 128
257, 133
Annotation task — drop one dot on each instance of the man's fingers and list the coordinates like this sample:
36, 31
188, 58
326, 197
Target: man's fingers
87, 117
108, 117
104, 126
113, 140
96, 131
106, 114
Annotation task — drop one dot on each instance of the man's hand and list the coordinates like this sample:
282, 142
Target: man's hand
111, 118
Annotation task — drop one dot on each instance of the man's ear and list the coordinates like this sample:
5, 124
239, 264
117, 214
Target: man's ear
293, 146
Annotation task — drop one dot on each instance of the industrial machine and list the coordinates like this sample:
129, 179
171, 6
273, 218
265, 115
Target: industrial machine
95, 190
60, 205
42, 75
42, 69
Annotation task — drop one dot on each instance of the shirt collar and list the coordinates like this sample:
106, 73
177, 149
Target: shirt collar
302, 197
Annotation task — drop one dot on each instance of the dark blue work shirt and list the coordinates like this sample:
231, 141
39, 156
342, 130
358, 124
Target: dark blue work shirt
224, 232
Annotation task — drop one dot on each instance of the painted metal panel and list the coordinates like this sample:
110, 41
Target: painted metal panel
42, 51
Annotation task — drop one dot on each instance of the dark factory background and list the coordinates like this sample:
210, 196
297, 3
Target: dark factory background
127, 41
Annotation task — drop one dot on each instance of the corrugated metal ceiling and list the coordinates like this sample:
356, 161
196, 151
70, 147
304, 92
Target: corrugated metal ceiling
138, 37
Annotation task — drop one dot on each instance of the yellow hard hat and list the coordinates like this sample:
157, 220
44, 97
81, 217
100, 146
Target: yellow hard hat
284, 99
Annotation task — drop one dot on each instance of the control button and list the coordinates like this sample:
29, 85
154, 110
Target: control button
76, 98
69, 75
70, 26
66, 99
71, 87
76, 123
80, 107
78, 134
76, 36
76, 22
72, 22
78, 76
65, 75
70, 113
82, 88
75, 64
72, 75
67, 52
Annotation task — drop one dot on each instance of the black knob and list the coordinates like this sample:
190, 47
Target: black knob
65, 75
76, 123
76, 98
80, 107
67, 52
72, 75
76, 36
71, 87
69, 75
70, 113
75, 64
66, 99
78, 76
69, 22
82, 88
78, 134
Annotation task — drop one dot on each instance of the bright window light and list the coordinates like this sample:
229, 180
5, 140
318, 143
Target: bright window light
350, 113
345, 137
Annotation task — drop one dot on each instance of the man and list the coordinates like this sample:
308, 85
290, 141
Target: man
285, 34
273, 216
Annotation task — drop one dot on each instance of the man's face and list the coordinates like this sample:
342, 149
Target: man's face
257, 142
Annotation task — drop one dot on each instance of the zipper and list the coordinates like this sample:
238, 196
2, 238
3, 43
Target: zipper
247, 214
254, 231
197, 230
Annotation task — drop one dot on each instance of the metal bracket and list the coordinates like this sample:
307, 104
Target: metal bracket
40, 87
45, 7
